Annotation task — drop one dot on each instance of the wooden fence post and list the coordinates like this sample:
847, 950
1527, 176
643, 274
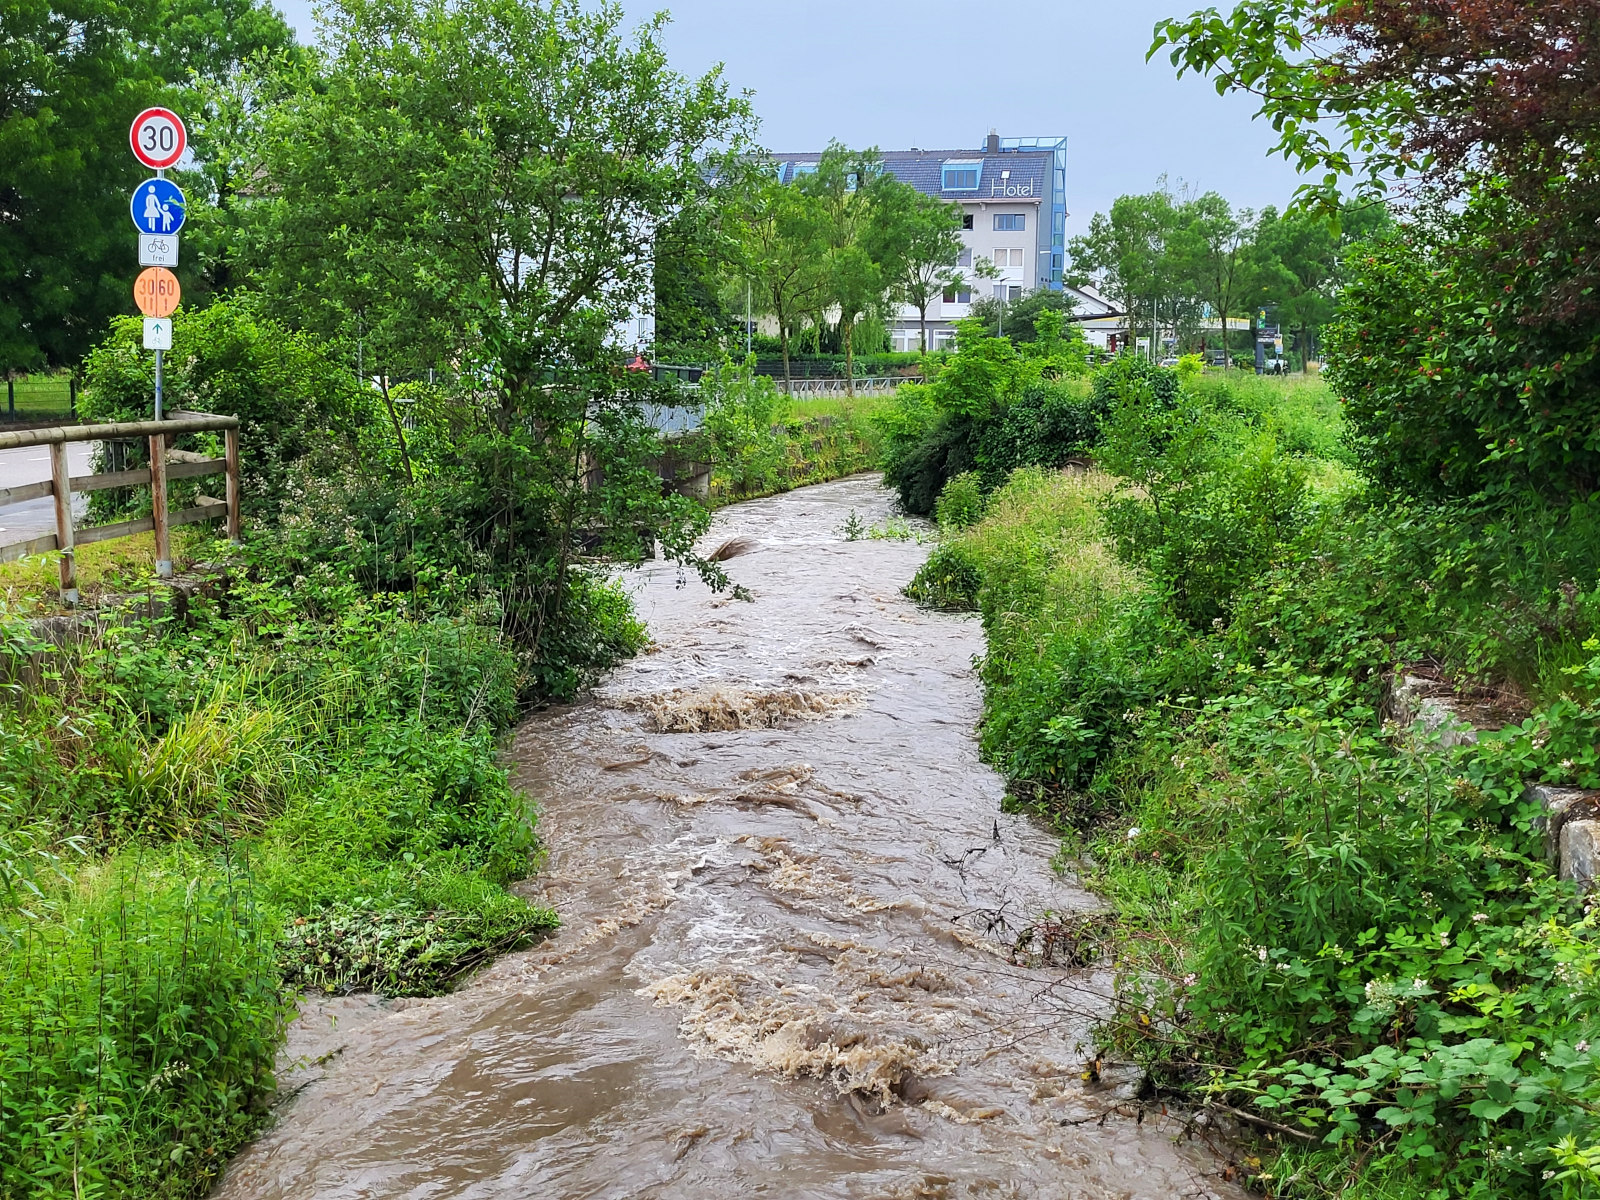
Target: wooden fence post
61, 483
230, 441
158, 504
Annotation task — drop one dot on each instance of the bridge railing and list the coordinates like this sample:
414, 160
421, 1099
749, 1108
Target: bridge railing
164, 465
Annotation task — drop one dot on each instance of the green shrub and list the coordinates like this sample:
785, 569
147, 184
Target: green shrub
1457, 378
184, 802
1370, 935
947, 448
947, 580
1049, 425
292, 398
960, 504
1206, 500
1130, 376
741, 409
139, 1018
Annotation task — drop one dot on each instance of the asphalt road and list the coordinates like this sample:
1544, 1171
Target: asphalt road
18, 522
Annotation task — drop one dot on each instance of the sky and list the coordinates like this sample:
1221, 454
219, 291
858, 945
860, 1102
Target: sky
940, 74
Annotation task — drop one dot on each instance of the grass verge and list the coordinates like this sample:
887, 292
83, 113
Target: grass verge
1338, 926
199, 818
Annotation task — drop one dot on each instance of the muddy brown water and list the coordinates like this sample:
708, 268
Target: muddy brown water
785, 964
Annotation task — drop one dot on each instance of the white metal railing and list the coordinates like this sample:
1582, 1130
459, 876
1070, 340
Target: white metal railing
841, 387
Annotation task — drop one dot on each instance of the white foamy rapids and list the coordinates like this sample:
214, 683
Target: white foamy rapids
803, 954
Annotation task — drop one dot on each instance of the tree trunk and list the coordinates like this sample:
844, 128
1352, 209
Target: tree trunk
922, 324
783, 338
394, 419
849, 328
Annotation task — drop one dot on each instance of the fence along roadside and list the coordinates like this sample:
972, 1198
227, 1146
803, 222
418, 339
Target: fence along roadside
164, 466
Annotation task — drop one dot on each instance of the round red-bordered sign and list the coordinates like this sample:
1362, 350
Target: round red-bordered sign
158, 138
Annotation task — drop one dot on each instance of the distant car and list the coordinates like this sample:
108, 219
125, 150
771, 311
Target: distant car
1169, 362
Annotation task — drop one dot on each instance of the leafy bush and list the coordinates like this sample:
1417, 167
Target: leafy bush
741, 408
1052, 599
139, 1019
1206, 500
1455, 379
1338, 925
947, 447
292, 398
1049, 425
1367, 907
1131, 376
948, 580
960, 504
336, 750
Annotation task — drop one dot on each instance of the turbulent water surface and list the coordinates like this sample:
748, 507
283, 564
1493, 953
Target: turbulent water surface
791, 904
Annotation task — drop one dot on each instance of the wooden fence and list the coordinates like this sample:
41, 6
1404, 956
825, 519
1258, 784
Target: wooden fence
165, 465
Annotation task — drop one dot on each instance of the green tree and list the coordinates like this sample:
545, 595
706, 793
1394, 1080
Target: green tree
476, 185
690, 263
780, 245
72, 77
1297, 255
1213, 253
482, 181
1135, 250
859, 260
918, 237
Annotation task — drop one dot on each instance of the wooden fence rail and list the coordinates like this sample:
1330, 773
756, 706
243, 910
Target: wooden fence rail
165, 465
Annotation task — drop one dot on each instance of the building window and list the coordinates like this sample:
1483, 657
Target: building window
1010, 222
955, 296
1014, 292
965, 259
966, 221
1008, 258
944, 339
961, 175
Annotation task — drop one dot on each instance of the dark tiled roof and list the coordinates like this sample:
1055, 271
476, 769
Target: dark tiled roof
923, 170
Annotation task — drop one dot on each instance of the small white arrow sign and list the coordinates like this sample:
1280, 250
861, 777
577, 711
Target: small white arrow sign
158, 333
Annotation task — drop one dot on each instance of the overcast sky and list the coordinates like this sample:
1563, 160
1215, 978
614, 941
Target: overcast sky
942, 73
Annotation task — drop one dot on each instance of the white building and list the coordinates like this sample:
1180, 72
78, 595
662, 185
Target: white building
1013, 196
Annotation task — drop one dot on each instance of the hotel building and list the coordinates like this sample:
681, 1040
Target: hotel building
1013, 198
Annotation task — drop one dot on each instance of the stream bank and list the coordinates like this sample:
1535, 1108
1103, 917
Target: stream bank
788, 962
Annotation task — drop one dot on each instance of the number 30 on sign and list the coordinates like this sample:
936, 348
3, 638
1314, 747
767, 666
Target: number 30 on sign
156, 292
158, 138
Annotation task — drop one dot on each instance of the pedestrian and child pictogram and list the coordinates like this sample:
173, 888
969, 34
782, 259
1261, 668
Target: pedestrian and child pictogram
157, 207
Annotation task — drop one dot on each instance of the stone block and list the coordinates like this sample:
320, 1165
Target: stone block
1413, 701
1557, 806
1580, 852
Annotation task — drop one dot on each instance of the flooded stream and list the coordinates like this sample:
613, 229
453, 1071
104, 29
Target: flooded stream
790, 902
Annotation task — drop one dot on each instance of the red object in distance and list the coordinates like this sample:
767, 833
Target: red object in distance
638, 363
158, 138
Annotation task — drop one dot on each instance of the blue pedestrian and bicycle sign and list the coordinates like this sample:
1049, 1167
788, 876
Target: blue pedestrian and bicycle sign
157, 207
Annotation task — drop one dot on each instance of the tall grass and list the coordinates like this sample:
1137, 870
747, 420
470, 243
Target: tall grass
1054, 600
139, 1015
198, 819
231, 758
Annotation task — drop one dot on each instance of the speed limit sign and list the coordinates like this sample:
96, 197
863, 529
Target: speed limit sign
158, 138
156, 292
